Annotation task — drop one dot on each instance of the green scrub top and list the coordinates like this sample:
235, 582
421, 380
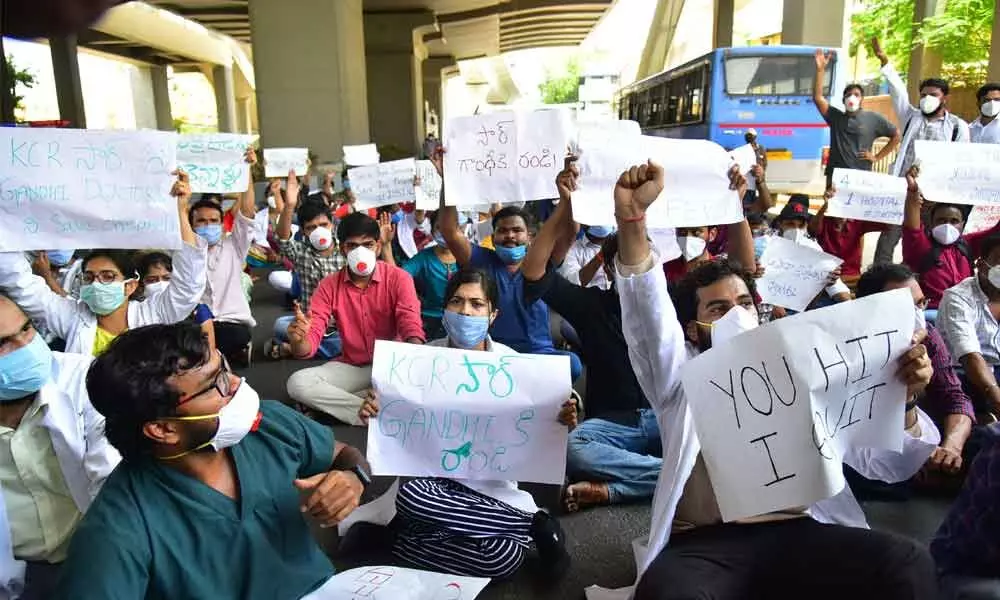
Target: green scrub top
156, 533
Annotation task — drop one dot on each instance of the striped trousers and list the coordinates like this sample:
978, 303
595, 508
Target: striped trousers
443, 526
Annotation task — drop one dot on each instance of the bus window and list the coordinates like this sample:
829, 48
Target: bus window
773, 75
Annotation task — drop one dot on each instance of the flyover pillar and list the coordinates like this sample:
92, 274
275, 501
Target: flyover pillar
310, 74
812, 23
433, 85
225, 97
722, 27
394, 54
161, 98
69, 92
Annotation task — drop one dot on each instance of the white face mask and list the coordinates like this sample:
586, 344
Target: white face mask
237, 418
990, 108
321, 238
852, 103
929, 104
691, 246
272, 203
946, 234
738, 320
361, 261
153, 289
794, 235
919, 319
994, 276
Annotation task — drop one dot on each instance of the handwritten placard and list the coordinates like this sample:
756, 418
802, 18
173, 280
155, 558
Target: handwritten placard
778, 407
982, 217
793, 274
279, 161
468, 415
74, 188
397, 583
361, 156
696, 182
746, 157
384, 183
868, 196
215, 162
429, 197
595, 135
959, 173
543, 139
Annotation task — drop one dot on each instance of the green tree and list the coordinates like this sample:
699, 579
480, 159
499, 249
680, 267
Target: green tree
562, 88
16, 79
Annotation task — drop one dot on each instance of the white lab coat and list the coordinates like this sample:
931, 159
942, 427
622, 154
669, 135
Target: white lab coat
580, 254
658, 350
72, 321
86, 457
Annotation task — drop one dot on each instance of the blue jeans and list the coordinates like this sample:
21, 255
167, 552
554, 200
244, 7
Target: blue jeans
329, 348
575, 366
627, 458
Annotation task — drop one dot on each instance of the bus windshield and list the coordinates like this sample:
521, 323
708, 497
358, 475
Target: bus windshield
773, 75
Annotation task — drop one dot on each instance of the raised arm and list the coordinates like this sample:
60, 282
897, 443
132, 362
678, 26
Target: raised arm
911, 214
182, 191
540, 252
740, 236
822, 61
34, 296
448, 219
248, 203
291, 201
387, 233
897, 89
764, 200
816, 223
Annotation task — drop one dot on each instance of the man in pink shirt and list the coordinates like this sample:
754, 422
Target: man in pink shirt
369, 301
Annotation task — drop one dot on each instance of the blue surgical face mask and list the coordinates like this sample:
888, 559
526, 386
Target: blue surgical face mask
347, 184
439, 239
600, 231
465, 331
25, 370
103, 298
397, 216
59, 258
210, 233
511, 255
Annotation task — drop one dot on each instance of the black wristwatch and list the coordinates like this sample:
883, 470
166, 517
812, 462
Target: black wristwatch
363, 477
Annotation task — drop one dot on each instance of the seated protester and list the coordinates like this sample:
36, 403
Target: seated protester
414, 230
614, 455
936, 249
211, 494
53, 266
225, 292
584, 263
943, 400
843, 238
522, 325
53, 455
369, 300
965, 546
431, 269
313, 258
694, 242
109, 278
488, 525
264, 249
791, 223
968, 320
692, 553
155, 270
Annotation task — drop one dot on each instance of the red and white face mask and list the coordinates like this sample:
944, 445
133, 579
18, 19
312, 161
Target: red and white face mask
361, 261
321, 238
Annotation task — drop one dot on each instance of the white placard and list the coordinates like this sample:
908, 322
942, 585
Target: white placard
746, 157
75, 188
696, 183
776, 408
481, 158
468, 415
429, 197
594, 135
868, 196
279, 161
543, 139
361, 156
959, 173
793, 274
982, 217
385, 183
397, 583
214, 161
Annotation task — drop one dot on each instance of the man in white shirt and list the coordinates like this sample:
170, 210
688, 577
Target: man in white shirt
583, 264
53, 455
824, 551
986, 129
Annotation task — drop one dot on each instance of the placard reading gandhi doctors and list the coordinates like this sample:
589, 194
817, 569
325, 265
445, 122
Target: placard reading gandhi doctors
777, 408
74, 188
468, 415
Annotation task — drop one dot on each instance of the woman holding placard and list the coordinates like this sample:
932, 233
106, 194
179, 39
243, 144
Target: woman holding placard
473, 528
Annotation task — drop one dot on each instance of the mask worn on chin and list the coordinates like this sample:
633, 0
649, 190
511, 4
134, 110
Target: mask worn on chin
852, 103
990, 108
153, 289
691, 246
439, 239
465, 331
946, 234
321, 238
103, 298
25, 370
794, 235
361, 261
513, 255
210, 233
993, 275
929, 105
236, 419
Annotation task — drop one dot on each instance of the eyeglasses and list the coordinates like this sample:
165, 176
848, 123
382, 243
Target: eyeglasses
101, 276
223, 382
10, 339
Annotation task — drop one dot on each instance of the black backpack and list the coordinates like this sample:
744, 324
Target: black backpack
933, 258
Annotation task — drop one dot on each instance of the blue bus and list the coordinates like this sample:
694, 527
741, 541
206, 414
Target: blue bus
726, 93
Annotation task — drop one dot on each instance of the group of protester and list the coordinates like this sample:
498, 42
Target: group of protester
136, 461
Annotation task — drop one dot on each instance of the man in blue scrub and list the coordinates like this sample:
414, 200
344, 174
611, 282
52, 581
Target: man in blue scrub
210, 498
